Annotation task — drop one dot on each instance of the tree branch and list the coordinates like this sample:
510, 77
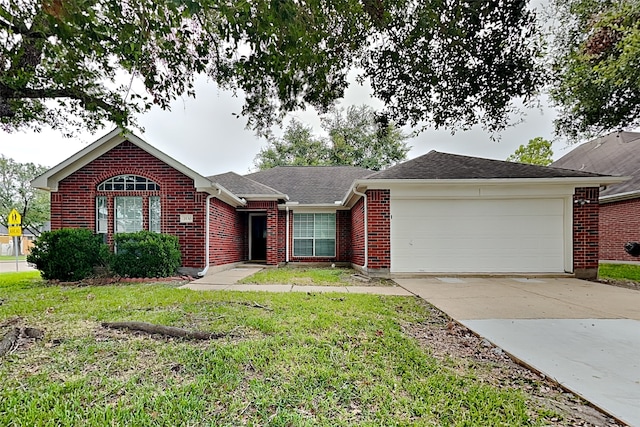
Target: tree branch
22, 30
28, 93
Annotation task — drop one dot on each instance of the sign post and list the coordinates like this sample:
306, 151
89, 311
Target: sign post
15, 230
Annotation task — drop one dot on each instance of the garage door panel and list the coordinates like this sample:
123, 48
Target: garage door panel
477, 235
442, 227
462, 208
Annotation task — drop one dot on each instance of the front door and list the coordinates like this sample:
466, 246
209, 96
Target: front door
258, 237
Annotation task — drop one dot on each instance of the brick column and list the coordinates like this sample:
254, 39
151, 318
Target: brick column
379, 230
585, 232
272, 234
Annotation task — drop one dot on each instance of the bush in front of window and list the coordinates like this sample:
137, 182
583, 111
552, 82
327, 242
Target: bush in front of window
68, 254
146, 254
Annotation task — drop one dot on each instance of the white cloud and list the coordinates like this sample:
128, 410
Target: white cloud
204, 134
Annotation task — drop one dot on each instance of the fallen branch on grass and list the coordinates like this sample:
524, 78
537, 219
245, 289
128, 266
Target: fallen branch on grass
256, 305
10, 339
170, 331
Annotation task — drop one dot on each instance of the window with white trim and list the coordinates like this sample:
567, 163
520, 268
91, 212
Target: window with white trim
154, 214
102, 215
314, 234
128, 183
128, 214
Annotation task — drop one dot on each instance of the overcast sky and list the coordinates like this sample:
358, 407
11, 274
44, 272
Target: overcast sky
203, 134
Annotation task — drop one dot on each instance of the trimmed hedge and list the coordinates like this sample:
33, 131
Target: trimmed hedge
68, 254
146, 254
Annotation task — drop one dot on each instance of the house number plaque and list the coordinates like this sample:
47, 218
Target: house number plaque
186, 218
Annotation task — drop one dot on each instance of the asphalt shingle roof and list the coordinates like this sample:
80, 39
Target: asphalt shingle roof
617, 154
436, 165
311, 184
242, 186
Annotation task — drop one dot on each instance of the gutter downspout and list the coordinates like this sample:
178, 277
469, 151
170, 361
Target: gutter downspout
207, 238
366, 229
286, 246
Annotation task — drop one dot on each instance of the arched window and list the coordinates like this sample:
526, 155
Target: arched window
128, 183
128, 215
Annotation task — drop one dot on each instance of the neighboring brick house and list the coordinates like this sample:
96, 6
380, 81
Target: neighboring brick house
618, 154
438, 213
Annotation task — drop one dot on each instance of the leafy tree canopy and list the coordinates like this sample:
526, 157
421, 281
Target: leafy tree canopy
451, 63
596, 67
537, 152
297, 147
16, 193
357, 137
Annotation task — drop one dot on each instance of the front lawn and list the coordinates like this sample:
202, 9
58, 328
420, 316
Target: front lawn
619, 272
289, 359
302, 276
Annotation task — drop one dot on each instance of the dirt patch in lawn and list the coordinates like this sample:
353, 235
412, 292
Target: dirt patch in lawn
459, 348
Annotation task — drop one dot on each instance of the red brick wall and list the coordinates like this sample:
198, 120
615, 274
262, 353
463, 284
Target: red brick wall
73, 205
619, 224
343, 238
282, 235
357, 233
585, 232
227, 234
379, 229
273, 232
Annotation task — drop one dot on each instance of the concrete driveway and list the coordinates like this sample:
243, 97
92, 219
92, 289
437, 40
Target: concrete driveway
584, 335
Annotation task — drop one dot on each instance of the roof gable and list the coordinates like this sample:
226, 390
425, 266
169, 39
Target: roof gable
435, 165
311, 184
49, 180
617, 153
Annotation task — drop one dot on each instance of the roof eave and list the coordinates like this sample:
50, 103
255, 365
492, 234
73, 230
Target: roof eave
269, 197
365, 184
620, 197
592, 181
223, 194
313, 205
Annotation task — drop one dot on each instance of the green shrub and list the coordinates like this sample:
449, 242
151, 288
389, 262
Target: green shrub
67, 254
146, 254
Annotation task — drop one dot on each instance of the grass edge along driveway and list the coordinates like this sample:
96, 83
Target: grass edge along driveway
312, 359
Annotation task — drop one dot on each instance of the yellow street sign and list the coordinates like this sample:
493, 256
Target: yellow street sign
15, 231
14, 217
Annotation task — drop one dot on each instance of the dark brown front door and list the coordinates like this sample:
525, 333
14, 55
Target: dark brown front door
258, 238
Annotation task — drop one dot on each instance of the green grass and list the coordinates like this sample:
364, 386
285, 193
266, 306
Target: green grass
12, 257
619, 272
313, 359
301, 276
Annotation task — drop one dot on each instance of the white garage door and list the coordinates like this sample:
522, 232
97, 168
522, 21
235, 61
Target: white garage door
477, 236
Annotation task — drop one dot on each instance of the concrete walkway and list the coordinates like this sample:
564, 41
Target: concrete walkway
227, 281
584, 335
10, 266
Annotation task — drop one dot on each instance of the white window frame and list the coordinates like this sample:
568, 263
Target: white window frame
140, 218
155, 214
128, 183
102, 215
316, 234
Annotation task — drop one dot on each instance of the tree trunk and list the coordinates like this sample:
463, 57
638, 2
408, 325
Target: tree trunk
171, 331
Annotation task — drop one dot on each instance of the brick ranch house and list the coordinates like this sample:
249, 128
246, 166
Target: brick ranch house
617, 153
438, 213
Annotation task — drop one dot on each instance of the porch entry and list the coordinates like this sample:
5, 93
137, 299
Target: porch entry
258, 237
